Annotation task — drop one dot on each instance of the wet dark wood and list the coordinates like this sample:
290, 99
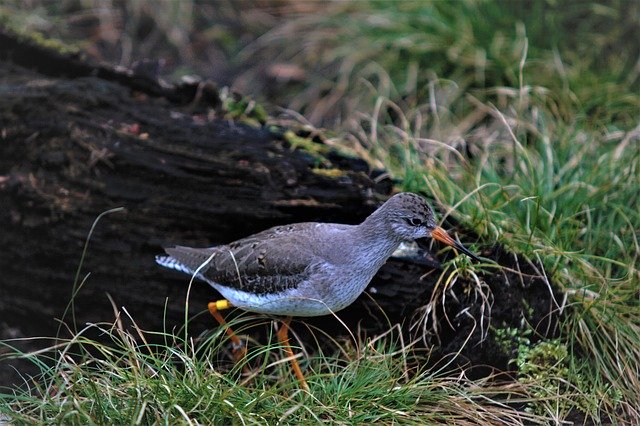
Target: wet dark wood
77, 140
74, 145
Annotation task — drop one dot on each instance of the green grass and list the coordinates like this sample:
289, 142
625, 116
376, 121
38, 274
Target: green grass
520, 119
561, 193
127, 380
579, 54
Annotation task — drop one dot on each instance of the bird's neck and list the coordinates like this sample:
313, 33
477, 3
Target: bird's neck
376, 238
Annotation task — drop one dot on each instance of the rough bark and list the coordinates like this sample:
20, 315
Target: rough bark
75, 145
77, 140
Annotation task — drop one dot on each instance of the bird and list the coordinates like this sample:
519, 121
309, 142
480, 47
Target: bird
306, 269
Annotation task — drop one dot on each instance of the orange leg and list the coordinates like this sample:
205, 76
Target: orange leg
239, 348
283, 338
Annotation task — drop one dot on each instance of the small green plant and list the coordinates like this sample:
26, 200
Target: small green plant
241, 108
512, 340
556, 383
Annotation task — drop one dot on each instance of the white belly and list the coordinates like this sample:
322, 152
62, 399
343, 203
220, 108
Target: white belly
286, 303
307, 300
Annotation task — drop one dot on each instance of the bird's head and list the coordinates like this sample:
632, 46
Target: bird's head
410, 217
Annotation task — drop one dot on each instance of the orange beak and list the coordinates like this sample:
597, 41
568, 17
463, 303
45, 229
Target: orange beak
442, 236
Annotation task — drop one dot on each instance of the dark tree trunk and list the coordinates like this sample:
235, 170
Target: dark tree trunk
74, 145
77, 140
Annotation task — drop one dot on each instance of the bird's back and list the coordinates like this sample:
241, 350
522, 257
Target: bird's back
303, 269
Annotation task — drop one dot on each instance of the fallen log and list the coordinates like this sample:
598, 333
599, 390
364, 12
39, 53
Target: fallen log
78, 139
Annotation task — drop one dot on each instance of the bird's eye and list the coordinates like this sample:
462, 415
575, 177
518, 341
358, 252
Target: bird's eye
414, 221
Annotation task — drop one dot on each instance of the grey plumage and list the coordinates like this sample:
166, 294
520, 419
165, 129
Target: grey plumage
261, 263
306, 268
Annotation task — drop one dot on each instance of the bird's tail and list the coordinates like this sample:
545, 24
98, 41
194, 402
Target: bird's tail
171, 263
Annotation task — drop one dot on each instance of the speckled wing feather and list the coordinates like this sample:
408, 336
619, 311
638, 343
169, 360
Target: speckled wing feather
268, 262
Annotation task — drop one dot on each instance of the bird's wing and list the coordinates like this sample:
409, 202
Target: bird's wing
267, 262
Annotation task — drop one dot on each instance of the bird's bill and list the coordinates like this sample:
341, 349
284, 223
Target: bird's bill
442, 236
